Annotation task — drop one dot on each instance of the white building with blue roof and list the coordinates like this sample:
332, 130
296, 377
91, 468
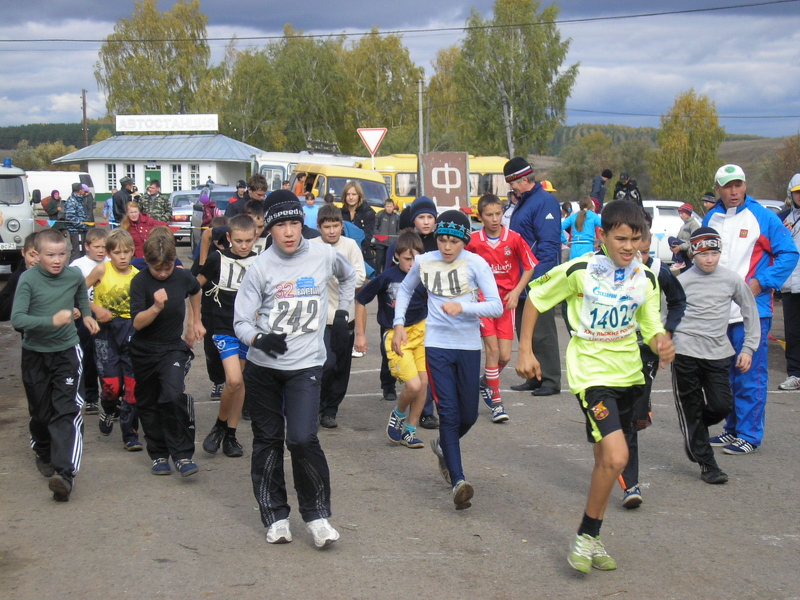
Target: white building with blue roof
179, 162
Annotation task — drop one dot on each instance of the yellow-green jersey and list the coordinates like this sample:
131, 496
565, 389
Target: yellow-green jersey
605, 304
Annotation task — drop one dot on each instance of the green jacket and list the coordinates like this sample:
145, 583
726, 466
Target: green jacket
39, 296
157, 207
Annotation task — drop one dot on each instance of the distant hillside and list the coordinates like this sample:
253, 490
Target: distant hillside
751, 155
618, 133
69, 133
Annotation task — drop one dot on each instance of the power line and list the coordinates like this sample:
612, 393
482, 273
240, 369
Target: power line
431, 30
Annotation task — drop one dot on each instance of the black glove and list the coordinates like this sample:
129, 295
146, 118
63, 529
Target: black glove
271, 344
340, 332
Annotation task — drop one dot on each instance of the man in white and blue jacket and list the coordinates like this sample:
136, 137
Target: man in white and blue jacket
757, 246
537, 218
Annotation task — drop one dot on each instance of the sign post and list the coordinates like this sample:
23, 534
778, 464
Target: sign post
372, 138
446, 179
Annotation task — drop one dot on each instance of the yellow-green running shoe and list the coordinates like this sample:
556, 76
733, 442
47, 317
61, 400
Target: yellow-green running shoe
600, 558
580, 555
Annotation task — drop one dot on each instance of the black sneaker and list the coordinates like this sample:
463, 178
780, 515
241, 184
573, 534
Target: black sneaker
214, 439
714, 475
45, 467
106, 423
231, 446
429, 422
328, 422
60, 487
245, 413
90, 408
390, 395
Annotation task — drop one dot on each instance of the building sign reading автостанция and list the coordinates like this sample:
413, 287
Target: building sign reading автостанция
167, 123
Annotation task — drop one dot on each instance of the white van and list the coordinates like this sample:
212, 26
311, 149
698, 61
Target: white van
16, 215
47, 181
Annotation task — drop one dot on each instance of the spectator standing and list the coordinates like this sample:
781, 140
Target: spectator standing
139, 225
356, 210
122, 198
155, 204
256, 190
599, 188
757, 246
387, 228
790, 291
311, 209
537, 220
626, 189
709, 200
76, 221
584, 224
680, 244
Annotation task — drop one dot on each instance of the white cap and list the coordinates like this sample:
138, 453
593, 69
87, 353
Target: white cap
727, 173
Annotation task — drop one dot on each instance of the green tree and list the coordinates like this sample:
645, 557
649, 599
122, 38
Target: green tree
52, 150
780, 167
26, 157
154, 62
446, 117
511, 75
379, 89
102, 134
690, 135
581, 160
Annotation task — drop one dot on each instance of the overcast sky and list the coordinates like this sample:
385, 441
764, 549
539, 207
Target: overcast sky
747, 60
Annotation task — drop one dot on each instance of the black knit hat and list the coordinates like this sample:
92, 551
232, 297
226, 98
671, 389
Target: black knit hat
455, 223
423, 206
704, 239
282, 205
405, 218
607, 174
517, 168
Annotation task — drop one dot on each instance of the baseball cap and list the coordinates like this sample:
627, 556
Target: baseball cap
727, 173
794, 183
547, 186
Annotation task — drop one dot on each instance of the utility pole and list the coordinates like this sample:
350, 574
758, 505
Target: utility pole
85, 126
420, 184
507, 120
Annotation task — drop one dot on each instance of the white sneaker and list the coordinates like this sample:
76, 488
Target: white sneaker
323, 532
792, 383
357, 354
278, 532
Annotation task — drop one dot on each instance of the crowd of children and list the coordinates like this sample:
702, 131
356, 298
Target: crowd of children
281, 303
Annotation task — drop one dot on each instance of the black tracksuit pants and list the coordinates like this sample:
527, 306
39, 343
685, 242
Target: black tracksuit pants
545, 341
113, 363
91, 387
285, 405
641, 416
335, 373
165, 410
703, 398
53, 382
791, 323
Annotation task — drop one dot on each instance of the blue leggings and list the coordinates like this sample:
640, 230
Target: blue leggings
454, 377
749, 389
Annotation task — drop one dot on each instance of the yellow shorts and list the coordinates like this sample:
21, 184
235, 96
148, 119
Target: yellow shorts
406, 367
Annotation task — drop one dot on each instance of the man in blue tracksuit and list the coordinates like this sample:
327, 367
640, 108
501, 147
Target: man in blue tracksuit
757, 246
537, 218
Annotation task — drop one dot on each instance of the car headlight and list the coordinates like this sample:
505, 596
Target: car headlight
180, 217
12, 225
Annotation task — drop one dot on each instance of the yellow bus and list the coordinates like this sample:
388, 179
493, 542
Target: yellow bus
400, 173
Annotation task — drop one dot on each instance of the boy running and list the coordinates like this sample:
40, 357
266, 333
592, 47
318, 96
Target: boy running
95, 248
112, 306
280, 313
607, 294
702, 367
225, 270
453, 279
161, 359
409, 368
51, 359
512, 263
336, 371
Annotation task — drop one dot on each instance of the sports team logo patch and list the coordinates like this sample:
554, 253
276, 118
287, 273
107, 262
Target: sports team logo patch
743, 233
600, 411
507, 251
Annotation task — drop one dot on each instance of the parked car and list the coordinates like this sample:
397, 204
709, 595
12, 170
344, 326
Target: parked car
182, 203
775, 206
666, 223
219, 194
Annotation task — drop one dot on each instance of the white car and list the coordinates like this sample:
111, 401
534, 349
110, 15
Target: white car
666, 223
182, 202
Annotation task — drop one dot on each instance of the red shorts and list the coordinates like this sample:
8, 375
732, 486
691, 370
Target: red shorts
502, 326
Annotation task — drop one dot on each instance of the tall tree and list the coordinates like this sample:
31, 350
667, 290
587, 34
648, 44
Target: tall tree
154, 62
581, 160
379, 90
688, 140
446, 108
510, 76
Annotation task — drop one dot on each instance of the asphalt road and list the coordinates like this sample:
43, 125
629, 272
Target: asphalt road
127, 534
